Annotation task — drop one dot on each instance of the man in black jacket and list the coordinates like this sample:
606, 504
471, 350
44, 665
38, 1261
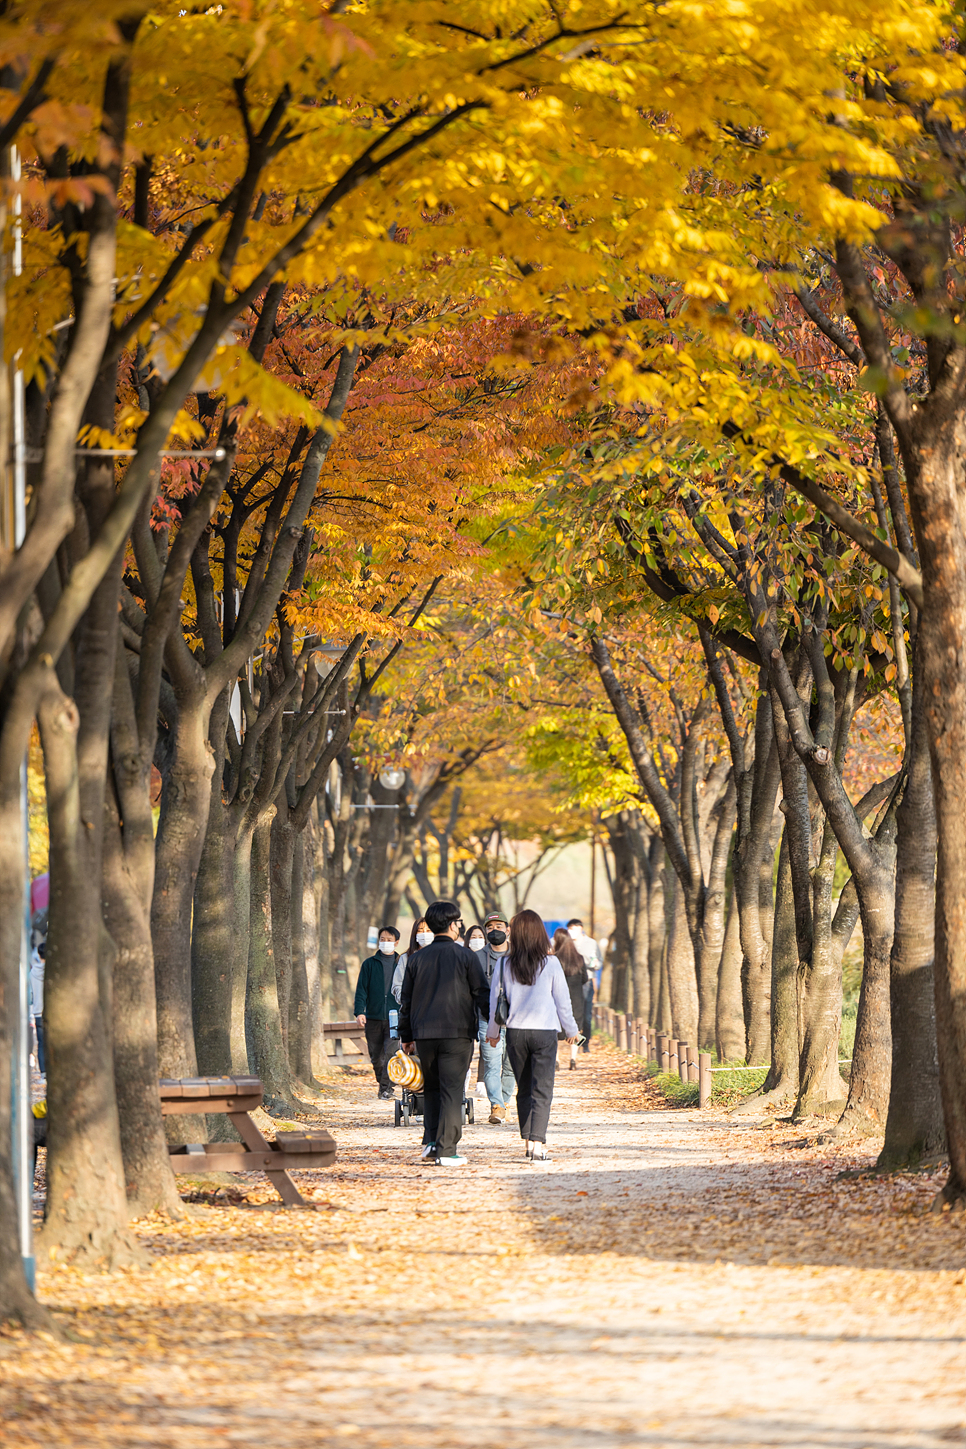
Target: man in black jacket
443, 996
373, 1002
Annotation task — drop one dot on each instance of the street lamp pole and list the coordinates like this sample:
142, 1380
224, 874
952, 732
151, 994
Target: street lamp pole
14, 527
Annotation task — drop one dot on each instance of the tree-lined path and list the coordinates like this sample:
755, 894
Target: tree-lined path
675, 1278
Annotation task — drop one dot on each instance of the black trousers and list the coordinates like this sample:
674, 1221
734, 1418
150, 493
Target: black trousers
533, 1057
377, 1040
445, 1062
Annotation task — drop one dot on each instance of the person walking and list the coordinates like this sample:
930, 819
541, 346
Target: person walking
590, 952
372, 1005
419, 936
497, 1072
577, 977
444, 993
538, 1005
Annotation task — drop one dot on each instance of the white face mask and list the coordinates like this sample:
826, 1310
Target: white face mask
424, 937
575, 933
388, 948
475, 943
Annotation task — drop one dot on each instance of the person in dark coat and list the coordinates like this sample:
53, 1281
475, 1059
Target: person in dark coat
444, 993
373, 1003
578, 978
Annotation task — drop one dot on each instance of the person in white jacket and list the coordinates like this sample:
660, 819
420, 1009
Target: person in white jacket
538, 1006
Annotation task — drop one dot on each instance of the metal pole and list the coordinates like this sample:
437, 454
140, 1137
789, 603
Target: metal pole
22, 1116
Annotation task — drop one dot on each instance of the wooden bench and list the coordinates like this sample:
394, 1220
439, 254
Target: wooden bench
339, 1031
237, 1097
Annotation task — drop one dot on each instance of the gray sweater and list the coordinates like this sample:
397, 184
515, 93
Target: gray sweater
544, 1006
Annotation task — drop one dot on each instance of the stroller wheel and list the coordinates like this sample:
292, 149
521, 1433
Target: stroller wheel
405, 1112
398, 1112
469, 1107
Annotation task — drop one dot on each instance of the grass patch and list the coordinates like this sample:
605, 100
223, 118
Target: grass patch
669, 1084
727, 1088
730, 1088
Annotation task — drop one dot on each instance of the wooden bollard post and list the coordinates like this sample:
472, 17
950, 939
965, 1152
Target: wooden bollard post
692, 1065
620, 1034
652, 1044
704, 1078
628, 1033
640, 1048
672, 1055
683, 1050
662, 1052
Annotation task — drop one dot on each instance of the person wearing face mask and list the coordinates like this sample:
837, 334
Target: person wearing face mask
419, 937
476, 938
497, 1072
373, 1002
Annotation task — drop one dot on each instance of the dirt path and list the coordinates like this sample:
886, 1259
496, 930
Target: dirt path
673, 1279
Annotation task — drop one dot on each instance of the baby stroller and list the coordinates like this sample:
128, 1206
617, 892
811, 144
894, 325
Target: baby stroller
406, 1073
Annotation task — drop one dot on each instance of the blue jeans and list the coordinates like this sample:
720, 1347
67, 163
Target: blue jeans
497, 1073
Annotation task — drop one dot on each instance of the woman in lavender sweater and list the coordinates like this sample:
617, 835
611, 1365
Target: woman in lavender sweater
539, 1007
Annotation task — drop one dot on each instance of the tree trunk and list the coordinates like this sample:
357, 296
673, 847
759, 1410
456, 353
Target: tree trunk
213, 943
820, 1085
868, 1099
86, 1214
933, 450
150, 1184
656, 926
729, 1012
299, 1017
682, 981
640, 935
753, 860
782, 1079
311, 944
914, 1125
711, 941
263, 1017
185, 802
282, 865
241, 939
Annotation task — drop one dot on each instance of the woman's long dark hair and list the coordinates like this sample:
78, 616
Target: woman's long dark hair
414, 945
469, 932
529, 947
566, 952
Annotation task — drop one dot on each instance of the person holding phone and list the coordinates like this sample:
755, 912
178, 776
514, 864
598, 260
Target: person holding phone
530, 989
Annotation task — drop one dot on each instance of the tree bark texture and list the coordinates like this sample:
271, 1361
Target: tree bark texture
914, 1124
729, 1011
270, 1059
86, 1212
185, 802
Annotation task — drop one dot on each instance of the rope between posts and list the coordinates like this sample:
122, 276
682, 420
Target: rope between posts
630, 1033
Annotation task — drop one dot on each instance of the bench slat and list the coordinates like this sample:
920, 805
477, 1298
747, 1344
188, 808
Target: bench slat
311, 1141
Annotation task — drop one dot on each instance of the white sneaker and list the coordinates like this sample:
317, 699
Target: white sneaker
451, 1161
429, 1150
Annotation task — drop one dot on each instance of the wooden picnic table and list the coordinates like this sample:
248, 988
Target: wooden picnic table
339, 1031
237, 1097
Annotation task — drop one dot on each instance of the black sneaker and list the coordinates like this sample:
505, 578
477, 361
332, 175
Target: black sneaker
386, 1094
